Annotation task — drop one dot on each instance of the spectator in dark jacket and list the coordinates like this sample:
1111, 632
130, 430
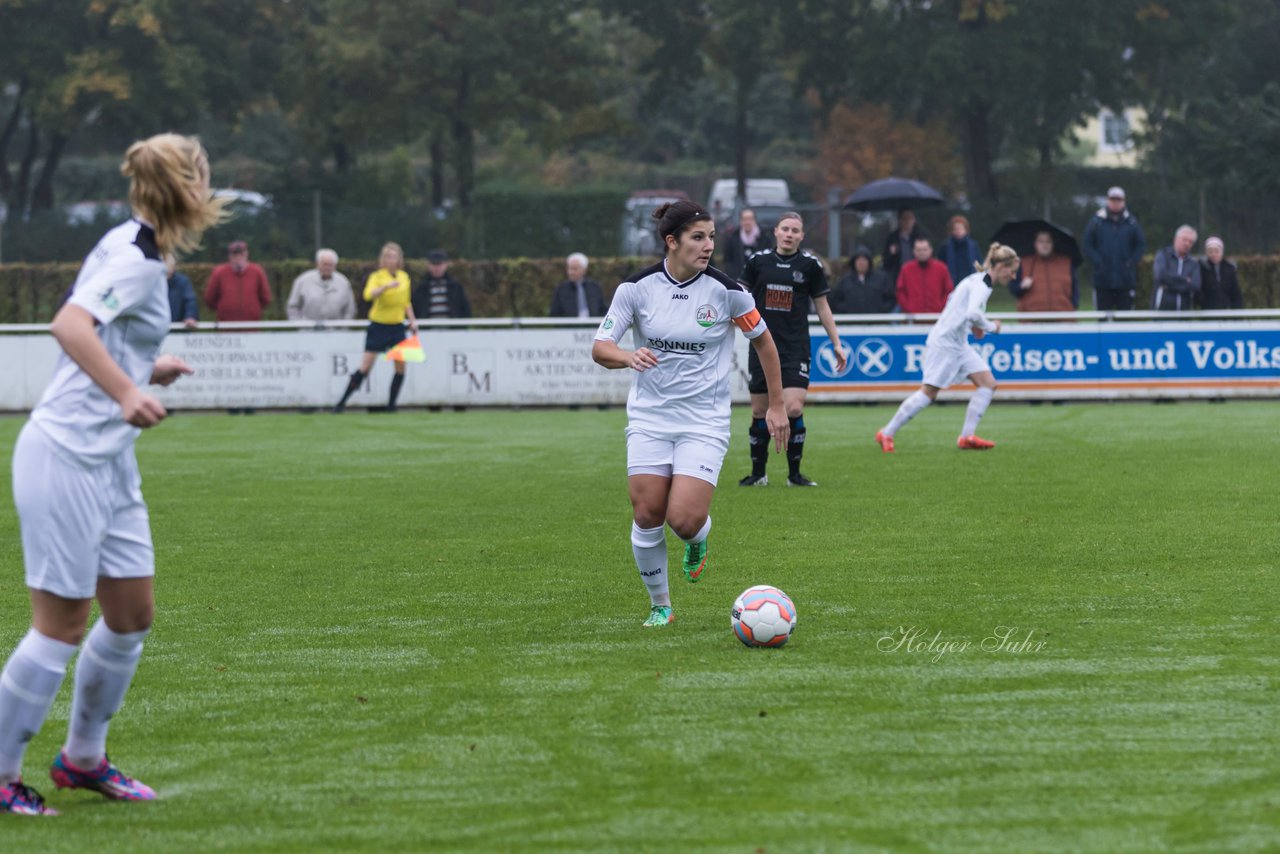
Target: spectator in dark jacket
743, 242
183, 307
1114, 243
578, 296
898, 245
1175, 274
1219, 285
439, 294
959, 251
863, 290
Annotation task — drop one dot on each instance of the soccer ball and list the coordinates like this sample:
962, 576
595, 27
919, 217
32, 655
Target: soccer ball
763, 616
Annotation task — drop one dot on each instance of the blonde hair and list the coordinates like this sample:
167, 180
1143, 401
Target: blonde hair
169, 188
394, 247
997, 255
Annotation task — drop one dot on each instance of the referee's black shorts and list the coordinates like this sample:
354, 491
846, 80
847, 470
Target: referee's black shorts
383, 336
795, 371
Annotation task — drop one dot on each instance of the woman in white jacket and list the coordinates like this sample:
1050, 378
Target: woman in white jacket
948, 358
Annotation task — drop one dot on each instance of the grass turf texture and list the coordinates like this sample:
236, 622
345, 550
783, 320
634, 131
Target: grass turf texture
422, 632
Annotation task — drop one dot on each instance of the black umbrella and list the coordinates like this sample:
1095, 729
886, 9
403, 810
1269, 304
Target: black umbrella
1020, 235
893, 194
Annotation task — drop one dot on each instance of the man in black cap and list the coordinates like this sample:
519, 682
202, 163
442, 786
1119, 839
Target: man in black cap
1114, 244
439, 294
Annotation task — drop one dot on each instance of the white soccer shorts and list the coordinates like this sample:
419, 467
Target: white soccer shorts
79, 522
946, 366
689, 454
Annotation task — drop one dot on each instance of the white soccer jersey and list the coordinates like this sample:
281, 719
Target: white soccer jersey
689, 328
122, 284
966, 307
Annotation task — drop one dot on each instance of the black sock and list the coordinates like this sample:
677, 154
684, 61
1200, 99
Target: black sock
759, 444
356, 378
795, 446
396, 382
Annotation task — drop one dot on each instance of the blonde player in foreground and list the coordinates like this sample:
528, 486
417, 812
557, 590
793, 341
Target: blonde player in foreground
85, 529
682, 313
948, 358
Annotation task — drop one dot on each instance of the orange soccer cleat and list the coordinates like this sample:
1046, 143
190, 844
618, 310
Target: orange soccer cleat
885, 442
974, 443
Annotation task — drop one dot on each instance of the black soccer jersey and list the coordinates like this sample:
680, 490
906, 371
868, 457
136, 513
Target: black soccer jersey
782, 286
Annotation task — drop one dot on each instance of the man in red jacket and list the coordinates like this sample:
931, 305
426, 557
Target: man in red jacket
923, 286
238, 289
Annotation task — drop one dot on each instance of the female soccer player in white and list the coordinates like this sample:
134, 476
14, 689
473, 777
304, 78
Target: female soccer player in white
85, 530
948, 358
682, 313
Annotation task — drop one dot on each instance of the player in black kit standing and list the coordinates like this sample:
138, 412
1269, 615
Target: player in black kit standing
783, 280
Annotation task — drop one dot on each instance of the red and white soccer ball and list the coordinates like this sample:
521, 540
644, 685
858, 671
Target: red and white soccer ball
764, 616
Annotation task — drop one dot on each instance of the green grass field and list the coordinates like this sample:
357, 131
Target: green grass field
421, 633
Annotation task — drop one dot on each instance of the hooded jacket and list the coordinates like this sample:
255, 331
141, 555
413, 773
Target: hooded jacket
853, 294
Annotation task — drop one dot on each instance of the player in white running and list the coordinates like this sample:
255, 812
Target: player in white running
85, 529
948, 358
682, 313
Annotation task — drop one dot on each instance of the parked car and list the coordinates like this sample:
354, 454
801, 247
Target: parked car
768, 197
638, 235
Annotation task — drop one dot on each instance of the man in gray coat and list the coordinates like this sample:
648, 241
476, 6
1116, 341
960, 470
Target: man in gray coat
322, 293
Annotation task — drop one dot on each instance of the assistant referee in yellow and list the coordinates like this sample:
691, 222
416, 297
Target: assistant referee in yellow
387, 291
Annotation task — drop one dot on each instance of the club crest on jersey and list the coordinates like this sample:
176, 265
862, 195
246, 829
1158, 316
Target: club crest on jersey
608, 323
108, 298
797, 277
706, 316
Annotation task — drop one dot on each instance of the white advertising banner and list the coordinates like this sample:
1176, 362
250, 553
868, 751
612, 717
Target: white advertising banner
551, 366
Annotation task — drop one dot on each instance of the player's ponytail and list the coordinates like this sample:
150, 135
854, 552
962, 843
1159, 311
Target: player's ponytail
675, 217
997, 255
169, 188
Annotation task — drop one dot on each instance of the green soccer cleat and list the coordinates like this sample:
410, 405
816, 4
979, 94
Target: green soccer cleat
695, 561
659, 615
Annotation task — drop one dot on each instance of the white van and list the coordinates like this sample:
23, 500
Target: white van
761, 193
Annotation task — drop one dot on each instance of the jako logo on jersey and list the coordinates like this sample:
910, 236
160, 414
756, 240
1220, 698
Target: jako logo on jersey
706, 316
108, 298
676, 346
679, 296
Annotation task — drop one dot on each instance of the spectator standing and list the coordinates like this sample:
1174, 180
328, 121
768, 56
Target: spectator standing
237, 290
1047, 281
1175, 274
1219, 284
923, 286
959, 251
439, 294
577, 296
864, 289
322, 293
897, 246
1114, 244
743, 242
183, 307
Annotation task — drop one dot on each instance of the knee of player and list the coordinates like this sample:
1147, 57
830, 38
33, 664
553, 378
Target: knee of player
648, 516
136, 618
795, 410
686, 525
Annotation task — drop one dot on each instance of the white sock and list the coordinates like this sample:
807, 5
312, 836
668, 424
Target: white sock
649, 545
703, 532
977, 407
103, 674
912, 405
28, 684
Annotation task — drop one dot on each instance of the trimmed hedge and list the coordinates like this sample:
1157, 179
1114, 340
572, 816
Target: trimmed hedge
513, 287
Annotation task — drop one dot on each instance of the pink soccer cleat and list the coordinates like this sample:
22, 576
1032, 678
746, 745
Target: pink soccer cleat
19, 799
974, 443
107, 780
885, 442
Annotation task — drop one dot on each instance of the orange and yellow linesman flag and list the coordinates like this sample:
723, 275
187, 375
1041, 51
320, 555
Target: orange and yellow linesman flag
408, 350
